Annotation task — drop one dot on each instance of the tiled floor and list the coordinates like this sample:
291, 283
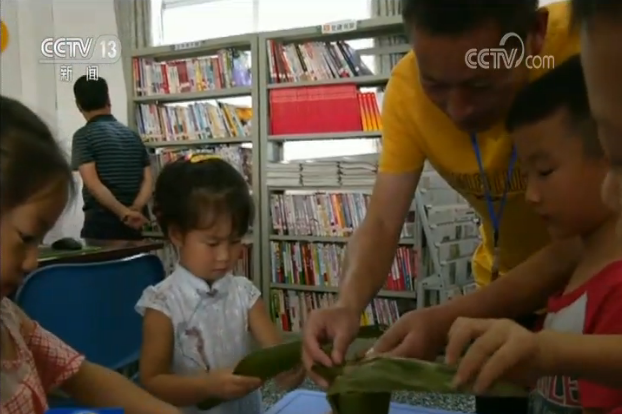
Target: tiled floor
458, 403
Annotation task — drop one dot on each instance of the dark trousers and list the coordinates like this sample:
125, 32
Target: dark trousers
107, 228
495, 405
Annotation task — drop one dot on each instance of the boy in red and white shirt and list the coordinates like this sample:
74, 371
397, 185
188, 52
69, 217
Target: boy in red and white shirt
557, 144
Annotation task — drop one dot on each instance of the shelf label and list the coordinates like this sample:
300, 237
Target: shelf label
339, 27
187, 45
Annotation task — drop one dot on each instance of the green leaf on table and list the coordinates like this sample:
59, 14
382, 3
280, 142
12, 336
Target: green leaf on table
365, 386
267, 363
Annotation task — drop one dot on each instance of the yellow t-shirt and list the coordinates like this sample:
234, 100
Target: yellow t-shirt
415, 130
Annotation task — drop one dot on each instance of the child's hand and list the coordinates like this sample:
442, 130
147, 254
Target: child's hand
226, 385
502, 350
291, 379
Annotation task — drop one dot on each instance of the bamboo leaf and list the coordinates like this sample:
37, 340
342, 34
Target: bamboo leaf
365, 386
267, 363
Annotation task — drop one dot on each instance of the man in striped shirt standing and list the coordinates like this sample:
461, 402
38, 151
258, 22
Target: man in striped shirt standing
114, 166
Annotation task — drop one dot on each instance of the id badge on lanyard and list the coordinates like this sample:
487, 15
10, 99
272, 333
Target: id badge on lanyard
495, 216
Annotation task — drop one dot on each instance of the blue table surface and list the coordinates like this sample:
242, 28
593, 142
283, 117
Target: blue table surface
314, 402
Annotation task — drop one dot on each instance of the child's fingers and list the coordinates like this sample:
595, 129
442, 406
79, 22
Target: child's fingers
247, 382
461, 333
477, 355
498, 365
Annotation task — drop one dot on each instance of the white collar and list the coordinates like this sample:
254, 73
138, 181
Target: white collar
218, 289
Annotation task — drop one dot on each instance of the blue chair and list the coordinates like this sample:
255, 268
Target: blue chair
90, 306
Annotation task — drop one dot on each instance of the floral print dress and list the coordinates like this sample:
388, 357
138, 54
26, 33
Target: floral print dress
210, 327
43, 362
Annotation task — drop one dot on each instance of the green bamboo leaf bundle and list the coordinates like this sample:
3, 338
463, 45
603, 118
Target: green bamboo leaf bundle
267, 363
364, 386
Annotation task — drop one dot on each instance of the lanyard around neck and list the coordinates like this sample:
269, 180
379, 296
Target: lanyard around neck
495, 216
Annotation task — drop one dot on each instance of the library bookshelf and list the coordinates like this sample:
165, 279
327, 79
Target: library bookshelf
301, 250
179, 107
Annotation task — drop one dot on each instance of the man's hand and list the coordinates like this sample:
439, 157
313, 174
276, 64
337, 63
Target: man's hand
502, 350
417, 334
338, 324
134, 219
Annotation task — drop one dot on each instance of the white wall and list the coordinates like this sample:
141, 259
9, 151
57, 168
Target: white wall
39, 85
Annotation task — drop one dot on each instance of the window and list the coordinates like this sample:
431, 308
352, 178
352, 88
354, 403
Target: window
198, 20
207, 20
284, 14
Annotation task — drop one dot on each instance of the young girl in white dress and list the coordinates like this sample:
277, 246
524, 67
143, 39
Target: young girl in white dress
201, 320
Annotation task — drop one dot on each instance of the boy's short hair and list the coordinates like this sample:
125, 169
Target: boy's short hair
584, 10
561, 88
195, 194
451, 17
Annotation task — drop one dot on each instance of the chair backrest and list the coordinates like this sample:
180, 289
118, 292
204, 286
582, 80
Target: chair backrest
91, 306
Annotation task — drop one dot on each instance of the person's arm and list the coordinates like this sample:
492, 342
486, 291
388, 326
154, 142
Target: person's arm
155, 365
521, 291
261, 326
83, 160
58, 365
146, 187
371, 250
596, 358
96, 386
267, 334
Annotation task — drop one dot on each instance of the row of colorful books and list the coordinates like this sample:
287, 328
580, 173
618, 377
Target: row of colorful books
196, 121
323, 109
227, 69
237, 155
290, 308
231, 68
312, 61
322, 214
319, 264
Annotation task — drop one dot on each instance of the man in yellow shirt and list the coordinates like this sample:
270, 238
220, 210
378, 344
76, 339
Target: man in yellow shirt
445, 106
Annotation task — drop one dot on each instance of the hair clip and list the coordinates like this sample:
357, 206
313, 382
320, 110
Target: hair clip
202, 157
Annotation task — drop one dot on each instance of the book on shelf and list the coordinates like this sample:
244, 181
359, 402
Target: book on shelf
369, 107
290, 309
323, 109
319, 265
313, 61
238, 156
228, 68
319, 173
244, 265
323, 214
195, 121
357, 171
399, 45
